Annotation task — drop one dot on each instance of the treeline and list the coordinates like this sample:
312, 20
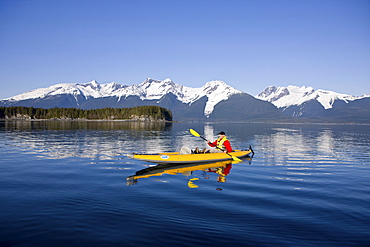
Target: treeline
135, 113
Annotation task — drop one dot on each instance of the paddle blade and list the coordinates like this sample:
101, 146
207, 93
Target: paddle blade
194, 133
235, 158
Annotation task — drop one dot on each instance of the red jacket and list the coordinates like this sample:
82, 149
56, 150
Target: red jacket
226, 144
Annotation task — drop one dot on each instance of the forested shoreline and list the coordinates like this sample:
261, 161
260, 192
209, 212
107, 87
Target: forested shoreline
139, 113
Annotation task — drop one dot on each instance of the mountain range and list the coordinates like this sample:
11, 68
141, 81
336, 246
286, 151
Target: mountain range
216, 101
308, 103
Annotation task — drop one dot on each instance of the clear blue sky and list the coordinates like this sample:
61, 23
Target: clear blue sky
248, 44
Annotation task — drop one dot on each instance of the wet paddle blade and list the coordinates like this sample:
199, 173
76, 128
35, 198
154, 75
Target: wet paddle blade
194, 133
235, 158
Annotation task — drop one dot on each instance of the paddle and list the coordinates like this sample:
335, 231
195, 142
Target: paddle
194, 133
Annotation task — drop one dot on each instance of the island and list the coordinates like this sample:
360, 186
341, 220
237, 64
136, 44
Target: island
138, 113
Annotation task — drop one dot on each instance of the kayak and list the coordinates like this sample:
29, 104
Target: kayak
175, 169
176, 157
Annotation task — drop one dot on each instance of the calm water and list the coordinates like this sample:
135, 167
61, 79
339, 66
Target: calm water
65, 184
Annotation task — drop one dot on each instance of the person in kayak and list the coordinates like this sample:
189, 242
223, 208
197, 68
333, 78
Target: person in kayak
222, 144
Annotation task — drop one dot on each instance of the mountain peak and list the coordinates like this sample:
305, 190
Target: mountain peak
167, 80
214, 83
155, 89
93, 82
284, 97
93, 85
216, 91
111, 87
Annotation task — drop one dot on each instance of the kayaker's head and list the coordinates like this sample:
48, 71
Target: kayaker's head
221, 134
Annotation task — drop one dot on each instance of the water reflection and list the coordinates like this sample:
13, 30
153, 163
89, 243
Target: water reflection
299, 147
299, 153
221, 168
308, 153
84, 125
83, 139
293, 143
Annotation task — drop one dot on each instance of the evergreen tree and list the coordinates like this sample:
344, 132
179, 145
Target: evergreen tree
74, 113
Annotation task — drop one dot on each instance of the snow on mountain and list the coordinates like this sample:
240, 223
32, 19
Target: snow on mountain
150, 89
284, 97
154, 89
216, 92
91, 89
109, 88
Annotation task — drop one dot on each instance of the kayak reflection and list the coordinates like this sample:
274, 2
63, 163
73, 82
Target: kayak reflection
222, 168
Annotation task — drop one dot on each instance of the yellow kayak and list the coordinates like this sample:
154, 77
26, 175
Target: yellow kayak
176, 157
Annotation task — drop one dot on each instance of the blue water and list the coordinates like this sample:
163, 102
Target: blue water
65, 184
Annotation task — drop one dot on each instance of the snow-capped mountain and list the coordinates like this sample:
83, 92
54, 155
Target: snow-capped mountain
150, 89
300, 101
215, 100
91, 89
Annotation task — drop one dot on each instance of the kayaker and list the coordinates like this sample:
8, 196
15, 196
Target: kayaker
222, 144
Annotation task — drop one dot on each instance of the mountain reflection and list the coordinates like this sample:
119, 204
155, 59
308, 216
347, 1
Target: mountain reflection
292, 143
84, 139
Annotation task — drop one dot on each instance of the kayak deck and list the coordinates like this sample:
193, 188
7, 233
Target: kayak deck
176, 157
